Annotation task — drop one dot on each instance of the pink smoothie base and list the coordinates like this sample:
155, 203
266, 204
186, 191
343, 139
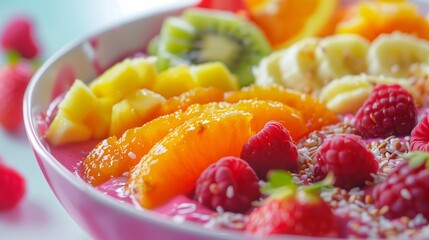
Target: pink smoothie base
180, 208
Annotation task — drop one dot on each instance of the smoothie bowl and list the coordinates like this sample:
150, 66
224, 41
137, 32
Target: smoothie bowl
212, 125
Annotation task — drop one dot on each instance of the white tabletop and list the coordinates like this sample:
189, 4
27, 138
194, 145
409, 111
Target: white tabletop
40, 215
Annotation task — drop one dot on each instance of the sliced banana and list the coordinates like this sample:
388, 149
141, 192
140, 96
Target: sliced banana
298, 66
396, 54
294, 67
268, 71
341, 55
347, 94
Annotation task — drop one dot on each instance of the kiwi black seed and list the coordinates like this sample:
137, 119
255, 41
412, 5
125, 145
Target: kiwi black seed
202, 35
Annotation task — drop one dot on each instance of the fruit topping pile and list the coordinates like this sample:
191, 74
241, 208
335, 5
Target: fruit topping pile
326, 137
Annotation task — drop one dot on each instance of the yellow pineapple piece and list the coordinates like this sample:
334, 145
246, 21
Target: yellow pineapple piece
123, 117
99, 118
78, 101
174, 81
146, 70
124, 78
214, 74
135, 110
65, 130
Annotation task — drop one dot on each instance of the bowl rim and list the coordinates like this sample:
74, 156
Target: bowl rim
39, 148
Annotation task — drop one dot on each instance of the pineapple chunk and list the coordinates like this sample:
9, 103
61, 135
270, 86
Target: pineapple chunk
65, 130
174, 81
99, 118
135, 110
214, 74
146, 70
123, 117
78, 101
124, 78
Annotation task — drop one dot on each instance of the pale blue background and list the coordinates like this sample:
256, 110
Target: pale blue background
40, 216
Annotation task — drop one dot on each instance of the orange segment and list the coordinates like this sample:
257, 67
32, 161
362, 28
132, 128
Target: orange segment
286, 21
173, 165
314, 113
186, 99
265, 111
104, 162
372, 18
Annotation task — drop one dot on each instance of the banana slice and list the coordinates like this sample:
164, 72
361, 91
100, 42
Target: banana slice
299, 65
294, 67
268, 71
341, 55
396, 54
347, 94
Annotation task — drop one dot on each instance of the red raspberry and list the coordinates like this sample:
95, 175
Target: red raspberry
297, 211
230, 184
406, 190
18, 36
13, 82
389, 110
420, 136
271, 148
346, 156
12, 187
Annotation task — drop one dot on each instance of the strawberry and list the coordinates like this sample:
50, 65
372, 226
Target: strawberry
420, 136
293, 210
13, 82
18, 36
12, 187
271, 148
389, 110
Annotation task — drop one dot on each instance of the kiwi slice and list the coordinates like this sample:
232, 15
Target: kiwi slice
202, 35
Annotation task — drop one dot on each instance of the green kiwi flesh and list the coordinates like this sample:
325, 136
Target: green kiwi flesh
202, 35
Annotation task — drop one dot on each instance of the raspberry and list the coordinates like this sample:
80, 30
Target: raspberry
13, 82
12, 187
230, 184
420, 136
297, 211
389, 110
18, 36
406, 190
348, 159
271, 148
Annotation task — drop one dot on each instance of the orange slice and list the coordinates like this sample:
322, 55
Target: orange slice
174, 164
372, 18
265, 111
104, 162
314, 113
197, 95
287, 21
